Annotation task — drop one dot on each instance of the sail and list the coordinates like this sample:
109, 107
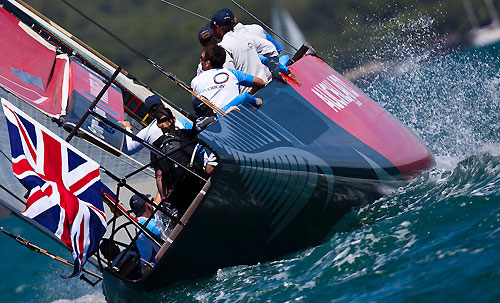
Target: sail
293, 32
57, 85
285, 26
30, 67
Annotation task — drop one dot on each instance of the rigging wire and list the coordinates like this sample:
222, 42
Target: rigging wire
169, 75
207, 19
42, 251
185, 9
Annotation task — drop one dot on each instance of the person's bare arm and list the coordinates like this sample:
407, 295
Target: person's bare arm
126, 125
257, 84
162, 190
209, 169
231, 109
157, 199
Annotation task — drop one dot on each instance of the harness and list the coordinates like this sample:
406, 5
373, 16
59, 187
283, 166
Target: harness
180, 146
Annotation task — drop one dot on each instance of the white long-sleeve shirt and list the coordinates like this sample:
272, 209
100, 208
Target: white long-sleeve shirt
253, 29
245, 49
149, 134
220, 85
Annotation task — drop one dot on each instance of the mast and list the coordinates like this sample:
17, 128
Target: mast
493, 12
470, 14
286, 27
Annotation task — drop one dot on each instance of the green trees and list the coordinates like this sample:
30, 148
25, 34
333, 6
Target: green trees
346, 33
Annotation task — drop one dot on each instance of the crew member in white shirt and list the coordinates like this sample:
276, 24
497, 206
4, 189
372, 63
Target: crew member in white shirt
206, 38
151, 132
253, 29
220, 85
244, 48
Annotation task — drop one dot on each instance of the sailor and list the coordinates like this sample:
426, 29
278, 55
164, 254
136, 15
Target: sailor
143, 211
220, 85
244, 48
257, 30
151, 132
206, 38
175, 184
253, 29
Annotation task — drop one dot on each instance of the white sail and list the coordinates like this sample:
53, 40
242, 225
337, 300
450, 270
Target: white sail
286, 27
483, 35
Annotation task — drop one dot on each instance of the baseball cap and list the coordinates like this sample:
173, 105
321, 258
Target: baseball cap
200, 108
137, 203
222, 17
205, 33
152, 100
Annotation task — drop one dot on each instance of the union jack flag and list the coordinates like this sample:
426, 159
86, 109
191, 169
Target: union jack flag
64, 185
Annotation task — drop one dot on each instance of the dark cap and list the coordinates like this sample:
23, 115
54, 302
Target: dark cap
137, 203
205, 33
200, 108
222, 17
152, 100
163, 111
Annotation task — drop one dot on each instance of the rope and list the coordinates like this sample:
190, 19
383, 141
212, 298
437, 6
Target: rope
39, 250
186, 10
170, 76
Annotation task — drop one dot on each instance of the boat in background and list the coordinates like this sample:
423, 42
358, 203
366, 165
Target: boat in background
288, 171
482, 35
286, 27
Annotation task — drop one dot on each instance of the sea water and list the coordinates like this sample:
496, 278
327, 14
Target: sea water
435, 240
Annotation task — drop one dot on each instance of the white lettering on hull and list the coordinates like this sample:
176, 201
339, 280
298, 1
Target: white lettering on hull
336, 93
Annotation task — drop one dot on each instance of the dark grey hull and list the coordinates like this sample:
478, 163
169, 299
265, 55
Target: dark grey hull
274, 193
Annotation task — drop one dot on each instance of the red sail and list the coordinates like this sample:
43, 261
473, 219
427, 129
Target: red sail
30, 67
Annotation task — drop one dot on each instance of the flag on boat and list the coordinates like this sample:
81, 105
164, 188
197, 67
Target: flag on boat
64, 185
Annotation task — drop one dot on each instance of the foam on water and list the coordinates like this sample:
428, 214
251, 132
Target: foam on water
96, 297
412, 244
432, 240
451, 102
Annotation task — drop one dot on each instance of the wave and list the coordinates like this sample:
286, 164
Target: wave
96, 297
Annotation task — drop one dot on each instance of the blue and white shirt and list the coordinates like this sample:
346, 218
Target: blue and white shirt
220, 85
147, 249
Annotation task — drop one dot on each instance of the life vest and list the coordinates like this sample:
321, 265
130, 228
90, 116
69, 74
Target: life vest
171, 144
